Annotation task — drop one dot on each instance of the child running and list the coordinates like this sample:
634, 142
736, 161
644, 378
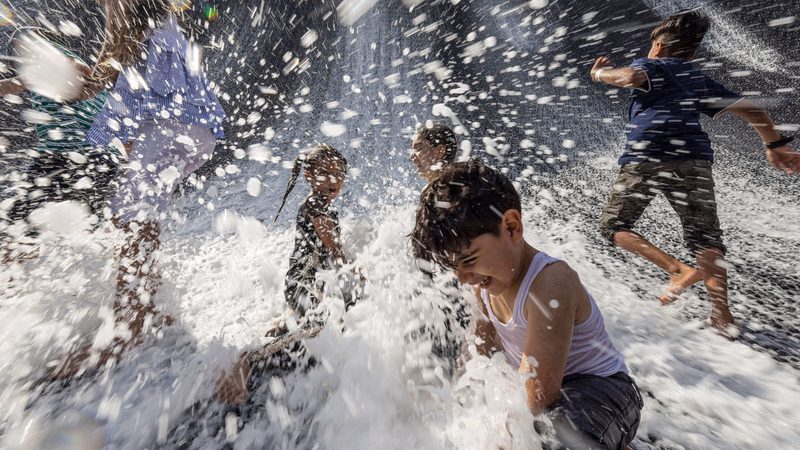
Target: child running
317, 247
535, 308
166, 115
62, 157
668, 152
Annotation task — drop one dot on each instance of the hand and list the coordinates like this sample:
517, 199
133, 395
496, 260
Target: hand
785, 159
232, 388
600, 63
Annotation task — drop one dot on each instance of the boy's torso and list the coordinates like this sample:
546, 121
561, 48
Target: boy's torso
665, 118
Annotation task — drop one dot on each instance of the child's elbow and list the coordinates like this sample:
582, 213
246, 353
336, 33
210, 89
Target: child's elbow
635, 79
539, 397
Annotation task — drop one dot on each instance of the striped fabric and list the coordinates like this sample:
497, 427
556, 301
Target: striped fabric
67, 123
161, 86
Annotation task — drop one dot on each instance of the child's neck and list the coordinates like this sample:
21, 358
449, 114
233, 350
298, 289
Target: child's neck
509, 296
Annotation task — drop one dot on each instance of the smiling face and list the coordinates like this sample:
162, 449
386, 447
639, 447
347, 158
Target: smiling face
426, 157
327, 178
493, 262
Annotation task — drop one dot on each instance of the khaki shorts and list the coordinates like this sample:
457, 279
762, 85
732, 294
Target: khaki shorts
688, 185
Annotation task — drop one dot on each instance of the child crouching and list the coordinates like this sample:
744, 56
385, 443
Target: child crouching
536, 309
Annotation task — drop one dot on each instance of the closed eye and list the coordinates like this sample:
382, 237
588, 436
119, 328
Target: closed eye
468, 261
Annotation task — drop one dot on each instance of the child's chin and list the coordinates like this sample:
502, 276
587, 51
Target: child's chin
493, 287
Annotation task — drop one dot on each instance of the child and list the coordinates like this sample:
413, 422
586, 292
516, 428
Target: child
433, 148
62, 157
316, 248
667, 151
166, 115
539, 313
316, 243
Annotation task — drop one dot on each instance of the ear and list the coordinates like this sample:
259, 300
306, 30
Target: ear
512, 224
658, 46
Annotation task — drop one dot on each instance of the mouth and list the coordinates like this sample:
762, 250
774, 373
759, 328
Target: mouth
485, 282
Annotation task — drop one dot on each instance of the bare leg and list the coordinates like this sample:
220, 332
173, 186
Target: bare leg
137, 282
715, 277
232, 385
681, 276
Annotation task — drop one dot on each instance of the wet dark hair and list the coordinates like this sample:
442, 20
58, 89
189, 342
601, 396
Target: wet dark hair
441, 134
682, 32
319, 155
138, 17
468, 199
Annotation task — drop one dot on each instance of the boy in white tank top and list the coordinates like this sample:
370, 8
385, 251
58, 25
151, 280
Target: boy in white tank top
536, 309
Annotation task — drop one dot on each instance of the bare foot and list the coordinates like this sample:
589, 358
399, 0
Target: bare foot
232, 386
277, 329
678, 282
74, 365
722, 320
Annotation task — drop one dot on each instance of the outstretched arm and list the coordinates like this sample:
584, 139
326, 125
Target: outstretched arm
11, 86
624, 77
782, 157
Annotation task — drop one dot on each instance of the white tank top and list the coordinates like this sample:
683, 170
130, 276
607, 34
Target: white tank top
591, 351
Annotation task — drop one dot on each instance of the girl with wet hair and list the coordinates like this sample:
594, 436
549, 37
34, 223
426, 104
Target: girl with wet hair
317, 247
317, 242
165, 115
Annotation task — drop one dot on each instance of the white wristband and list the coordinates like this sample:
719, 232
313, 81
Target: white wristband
598, 73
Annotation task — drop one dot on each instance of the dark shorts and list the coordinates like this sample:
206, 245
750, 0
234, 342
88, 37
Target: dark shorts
688, 186
596, 412
53, 176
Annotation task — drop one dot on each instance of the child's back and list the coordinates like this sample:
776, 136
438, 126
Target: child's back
665, 112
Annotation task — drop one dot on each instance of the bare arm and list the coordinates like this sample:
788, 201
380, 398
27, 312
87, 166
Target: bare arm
624, 77
757, 118
328, 234
782, 158
484, 330
549, 335
11, 86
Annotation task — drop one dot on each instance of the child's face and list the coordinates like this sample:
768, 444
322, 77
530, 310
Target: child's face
426, 157
327, 179
492, 262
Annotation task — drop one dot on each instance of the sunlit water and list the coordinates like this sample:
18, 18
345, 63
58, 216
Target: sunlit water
223, 260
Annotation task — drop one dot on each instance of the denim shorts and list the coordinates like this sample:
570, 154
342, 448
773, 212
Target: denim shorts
596, 412
688, 185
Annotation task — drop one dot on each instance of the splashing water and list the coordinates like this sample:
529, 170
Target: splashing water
520, 99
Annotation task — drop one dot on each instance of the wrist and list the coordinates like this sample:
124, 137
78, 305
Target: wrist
784, 140
598, 73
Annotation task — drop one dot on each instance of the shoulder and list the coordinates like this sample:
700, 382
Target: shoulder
556, 276
318, 209
558, 281
645, 63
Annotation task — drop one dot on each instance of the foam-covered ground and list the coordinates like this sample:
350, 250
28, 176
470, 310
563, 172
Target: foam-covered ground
223, 275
